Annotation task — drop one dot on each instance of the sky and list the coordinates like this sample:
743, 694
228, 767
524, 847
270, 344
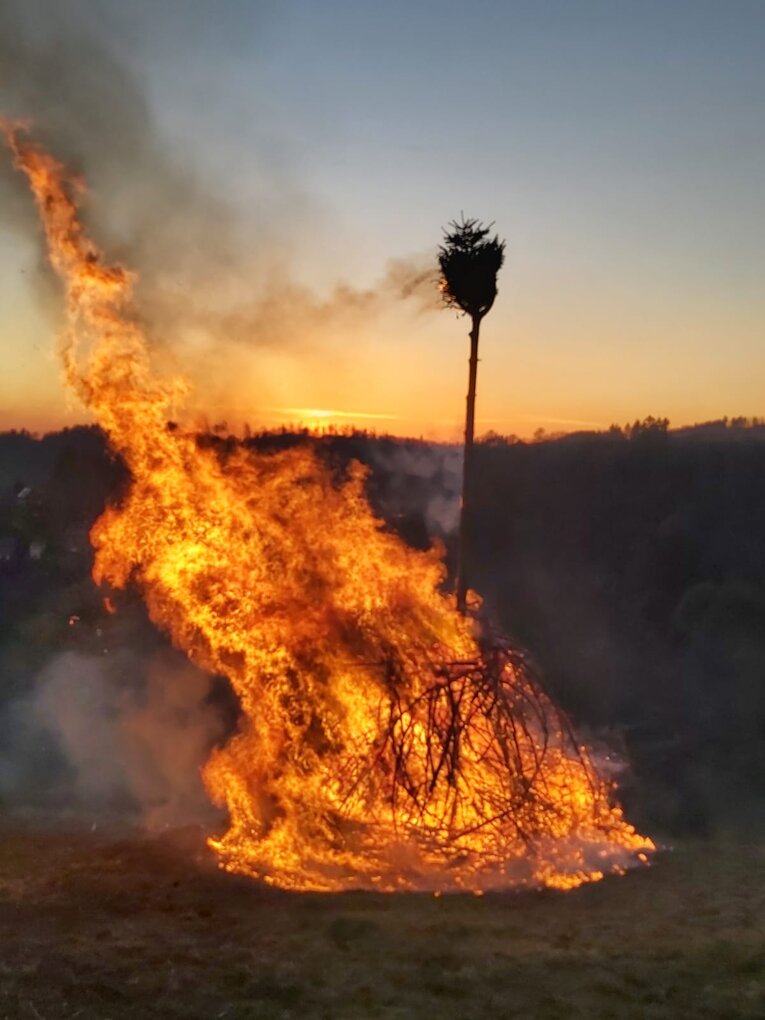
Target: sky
263, 163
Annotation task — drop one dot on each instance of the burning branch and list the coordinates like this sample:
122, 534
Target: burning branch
488, 714
381, 744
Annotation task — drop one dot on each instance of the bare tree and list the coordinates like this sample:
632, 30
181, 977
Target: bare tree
470, 260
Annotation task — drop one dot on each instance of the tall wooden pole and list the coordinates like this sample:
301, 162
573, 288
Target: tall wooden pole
463, 552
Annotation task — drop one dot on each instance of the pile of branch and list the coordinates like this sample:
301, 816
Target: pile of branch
480, 741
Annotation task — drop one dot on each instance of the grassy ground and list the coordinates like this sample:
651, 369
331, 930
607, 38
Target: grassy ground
102, 928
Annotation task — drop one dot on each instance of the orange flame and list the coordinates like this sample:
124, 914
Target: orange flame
344, 654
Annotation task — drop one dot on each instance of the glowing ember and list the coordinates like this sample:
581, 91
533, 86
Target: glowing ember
384, 743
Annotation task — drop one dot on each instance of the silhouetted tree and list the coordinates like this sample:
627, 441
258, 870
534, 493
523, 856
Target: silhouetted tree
470, 260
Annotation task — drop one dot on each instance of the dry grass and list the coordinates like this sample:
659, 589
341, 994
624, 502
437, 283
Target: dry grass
100, 928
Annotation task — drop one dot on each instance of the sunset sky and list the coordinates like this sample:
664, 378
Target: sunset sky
279, 156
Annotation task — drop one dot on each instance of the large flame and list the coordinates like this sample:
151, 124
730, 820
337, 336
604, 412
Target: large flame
383, 743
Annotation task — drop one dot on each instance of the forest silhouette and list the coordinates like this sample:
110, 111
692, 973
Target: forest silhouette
629, 563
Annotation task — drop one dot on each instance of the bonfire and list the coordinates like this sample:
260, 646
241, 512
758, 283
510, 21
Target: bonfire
386, 741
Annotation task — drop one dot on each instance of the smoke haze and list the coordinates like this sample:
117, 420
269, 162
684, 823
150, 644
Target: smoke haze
422, 479
117, 736
216, 284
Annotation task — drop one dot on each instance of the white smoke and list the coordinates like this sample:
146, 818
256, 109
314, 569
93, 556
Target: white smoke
116, 736
423, 477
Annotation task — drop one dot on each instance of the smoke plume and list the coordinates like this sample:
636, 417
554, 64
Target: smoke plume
215, 282
422, 479
112, 737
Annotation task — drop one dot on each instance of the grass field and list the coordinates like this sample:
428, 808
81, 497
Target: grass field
99, 927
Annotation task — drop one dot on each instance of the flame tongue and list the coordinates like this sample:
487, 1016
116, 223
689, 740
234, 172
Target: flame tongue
380, 745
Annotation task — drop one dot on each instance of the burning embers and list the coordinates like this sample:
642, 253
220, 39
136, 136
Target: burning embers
465, 776
383, 744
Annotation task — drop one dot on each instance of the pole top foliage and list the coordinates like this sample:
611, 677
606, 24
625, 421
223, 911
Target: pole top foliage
470, 260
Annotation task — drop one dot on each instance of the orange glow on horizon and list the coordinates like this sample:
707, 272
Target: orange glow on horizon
323, 412
320, 419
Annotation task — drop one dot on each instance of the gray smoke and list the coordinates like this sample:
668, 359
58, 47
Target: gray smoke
112, 737
423, 478
209, 276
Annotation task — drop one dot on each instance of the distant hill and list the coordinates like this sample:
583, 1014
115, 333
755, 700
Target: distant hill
630, 563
